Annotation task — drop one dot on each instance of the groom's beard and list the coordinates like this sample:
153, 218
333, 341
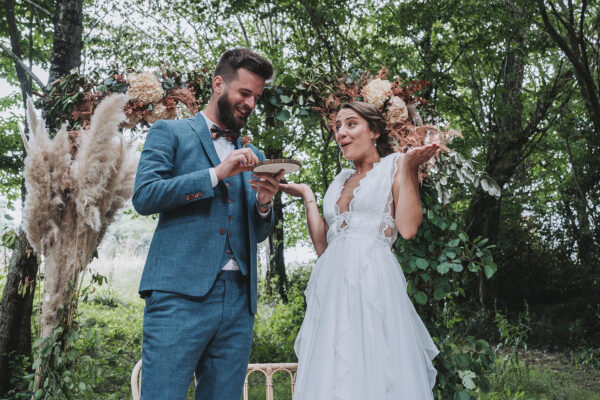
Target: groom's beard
227, 116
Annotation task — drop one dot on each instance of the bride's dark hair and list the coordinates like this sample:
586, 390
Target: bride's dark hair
376, 123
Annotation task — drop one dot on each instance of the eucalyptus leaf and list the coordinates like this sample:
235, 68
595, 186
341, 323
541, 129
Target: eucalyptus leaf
422, 263
283, 115
490, 270
420, 297
467, 378
443, 268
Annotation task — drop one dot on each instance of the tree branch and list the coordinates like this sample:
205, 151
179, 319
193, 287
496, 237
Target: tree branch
21, 64
39, 7
243, 29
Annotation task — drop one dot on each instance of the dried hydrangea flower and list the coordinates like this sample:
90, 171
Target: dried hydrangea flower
146, 88
160, 112
377, 91
397, 112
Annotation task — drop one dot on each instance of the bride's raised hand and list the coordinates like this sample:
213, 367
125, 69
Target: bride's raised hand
295, 189
419, 155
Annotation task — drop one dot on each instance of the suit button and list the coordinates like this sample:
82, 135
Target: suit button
222, 231
187, 196
224, 199
231, 234
228, 251
230, 217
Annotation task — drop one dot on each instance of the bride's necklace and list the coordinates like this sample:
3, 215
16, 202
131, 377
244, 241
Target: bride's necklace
359, 171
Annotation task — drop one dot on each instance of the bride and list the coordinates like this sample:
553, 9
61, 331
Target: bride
361, 337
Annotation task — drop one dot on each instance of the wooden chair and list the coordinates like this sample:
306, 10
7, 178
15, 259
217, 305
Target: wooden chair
266, 369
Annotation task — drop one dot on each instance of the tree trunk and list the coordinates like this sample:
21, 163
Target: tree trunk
276, 248
67, 44
15, 311
504, 154
16, 305
584, 235
276, 266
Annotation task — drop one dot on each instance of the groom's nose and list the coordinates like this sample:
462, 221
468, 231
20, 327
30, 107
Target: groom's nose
250, 102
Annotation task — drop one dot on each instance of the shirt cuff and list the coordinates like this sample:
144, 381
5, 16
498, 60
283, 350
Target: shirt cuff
213, 177
264, 215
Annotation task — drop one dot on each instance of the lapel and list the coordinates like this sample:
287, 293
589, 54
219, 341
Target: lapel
198, 124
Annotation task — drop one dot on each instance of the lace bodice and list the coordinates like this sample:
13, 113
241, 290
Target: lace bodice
369, 212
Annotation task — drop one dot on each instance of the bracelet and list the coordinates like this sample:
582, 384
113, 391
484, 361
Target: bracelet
308, 202
265, 205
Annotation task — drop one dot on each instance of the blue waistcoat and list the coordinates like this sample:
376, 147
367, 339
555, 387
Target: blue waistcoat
236, 233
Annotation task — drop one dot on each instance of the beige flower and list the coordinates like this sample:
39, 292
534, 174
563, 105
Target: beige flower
377, 91
160, 112
146, 88
397, 112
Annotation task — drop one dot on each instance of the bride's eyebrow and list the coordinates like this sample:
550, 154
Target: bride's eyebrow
346, 119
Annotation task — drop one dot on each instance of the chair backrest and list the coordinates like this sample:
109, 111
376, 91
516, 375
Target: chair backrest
266, 369
136, 381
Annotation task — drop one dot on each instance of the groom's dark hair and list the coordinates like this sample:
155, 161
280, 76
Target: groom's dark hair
232, 60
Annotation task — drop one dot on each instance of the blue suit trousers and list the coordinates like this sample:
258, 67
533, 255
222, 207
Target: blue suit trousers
209, 335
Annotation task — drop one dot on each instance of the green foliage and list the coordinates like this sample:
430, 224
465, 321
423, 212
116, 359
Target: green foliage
62, 99
440, 254
436, 263
21, 365
112, 336
9, 238
55, 360
90, 361
512, 337
11, 156
277, 323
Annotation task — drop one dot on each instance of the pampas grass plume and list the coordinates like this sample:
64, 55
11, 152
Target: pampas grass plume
66, 224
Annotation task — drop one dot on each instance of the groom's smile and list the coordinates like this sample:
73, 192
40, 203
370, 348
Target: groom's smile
239, 98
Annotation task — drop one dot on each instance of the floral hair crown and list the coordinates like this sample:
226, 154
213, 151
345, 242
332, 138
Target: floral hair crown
398, 101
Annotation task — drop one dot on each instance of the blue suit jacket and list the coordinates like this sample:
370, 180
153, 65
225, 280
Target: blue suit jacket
173, 180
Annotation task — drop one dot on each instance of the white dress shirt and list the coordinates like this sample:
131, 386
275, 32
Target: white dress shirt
223, 147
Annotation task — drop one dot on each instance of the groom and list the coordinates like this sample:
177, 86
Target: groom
199, 280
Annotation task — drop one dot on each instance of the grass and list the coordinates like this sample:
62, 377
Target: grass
536, 375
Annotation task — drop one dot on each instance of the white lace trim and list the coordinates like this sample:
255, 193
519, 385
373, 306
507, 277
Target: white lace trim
341, 221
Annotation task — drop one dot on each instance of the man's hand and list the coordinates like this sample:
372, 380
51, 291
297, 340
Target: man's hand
266, 185
237, 161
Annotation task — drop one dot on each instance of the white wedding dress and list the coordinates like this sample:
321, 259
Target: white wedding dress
361, 338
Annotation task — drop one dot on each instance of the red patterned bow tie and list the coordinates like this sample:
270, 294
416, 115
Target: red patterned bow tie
230, 134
